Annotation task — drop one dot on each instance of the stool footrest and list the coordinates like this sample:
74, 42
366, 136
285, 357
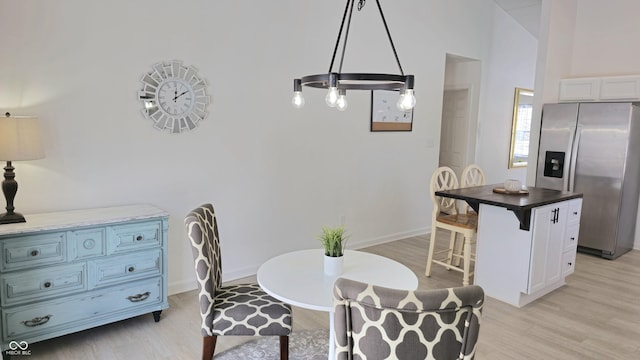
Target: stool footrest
444, 263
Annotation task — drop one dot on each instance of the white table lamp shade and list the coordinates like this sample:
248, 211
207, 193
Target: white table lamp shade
20, 138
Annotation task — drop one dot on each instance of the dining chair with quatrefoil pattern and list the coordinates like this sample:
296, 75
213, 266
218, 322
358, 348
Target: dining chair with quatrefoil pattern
243, 309
373, 322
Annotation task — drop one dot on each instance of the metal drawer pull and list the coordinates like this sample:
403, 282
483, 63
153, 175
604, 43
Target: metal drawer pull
139, 238
47, 284
37, 321
35, 252
139, 297
131, 269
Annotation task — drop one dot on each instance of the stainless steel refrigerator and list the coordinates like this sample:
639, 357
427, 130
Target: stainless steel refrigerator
594, 149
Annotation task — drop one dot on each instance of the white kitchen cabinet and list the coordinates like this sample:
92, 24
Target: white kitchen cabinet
549, 223
609, 88
581, 89
519, 266
620, 88
571, 233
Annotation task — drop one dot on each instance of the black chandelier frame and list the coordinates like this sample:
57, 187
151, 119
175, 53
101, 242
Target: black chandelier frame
356, 81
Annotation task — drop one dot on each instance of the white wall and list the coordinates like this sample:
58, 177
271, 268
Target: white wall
605, 40
512, 64
275, 174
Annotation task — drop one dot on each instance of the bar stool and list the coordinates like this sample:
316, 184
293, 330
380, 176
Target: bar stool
456, 223
472, 175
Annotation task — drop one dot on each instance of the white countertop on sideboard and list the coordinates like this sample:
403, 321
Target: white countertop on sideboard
81, 217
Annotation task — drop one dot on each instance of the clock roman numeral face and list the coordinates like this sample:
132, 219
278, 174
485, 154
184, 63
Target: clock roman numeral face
174, 97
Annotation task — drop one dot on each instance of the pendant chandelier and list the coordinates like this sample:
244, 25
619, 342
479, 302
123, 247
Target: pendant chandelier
337, 83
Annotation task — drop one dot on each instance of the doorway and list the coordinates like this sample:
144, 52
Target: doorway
453, 131
458, 131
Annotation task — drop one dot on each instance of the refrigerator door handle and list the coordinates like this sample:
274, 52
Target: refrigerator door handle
574, 158
567, 178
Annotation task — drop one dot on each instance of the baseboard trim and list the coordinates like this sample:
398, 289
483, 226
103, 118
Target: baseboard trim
387, 238
181, 286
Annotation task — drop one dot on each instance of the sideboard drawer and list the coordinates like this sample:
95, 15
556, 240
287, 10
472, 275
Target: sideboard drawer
87, 243
44, 317
34, 250
41, 284
134, 236
121, 268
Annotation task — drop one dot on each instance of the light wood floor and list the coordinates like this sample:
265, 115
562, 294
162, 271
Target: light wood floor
595, 316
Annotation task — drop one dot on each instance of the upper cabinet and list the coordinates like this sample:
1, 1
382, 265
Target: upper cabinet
611, 88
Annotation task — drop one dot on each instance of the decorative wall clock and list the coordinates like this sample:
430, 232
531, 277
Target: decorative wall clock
174, 96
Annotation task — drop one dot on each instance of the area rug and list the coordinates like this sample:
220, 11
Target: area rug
303, 345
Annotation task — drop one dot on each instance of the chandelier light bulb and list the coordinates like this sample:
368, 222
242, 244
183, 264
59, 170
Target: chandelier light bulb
341, 103
407, 100
399, 104
298, 100
332, 97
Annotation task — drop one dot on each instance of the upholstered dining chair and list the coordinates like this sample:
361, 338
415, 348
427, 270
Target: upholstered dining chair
373, 322
243, 309
444, 178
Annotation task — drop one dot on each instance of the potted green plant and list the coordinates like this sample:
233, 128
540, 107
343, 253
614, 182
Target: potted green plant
333, 240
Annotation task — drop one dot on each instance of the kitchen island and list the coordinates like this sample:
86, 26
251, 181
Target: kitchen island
526, 242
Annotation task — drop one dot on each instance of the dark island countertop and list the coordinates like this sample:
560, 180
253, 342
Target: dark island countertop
520, 204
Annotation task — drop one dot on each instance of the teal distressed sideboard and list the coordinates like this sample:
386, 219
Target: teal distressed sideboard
63, 272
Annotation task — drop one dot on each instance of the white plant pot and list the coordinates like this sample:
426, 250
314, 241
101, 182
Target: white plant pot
333, 265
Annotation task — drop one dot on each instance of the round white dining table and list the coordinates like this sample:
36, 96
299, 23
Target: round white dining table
298, 278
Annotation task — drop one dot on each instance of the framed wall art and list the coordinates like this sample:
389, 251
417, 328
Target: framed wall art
385, 115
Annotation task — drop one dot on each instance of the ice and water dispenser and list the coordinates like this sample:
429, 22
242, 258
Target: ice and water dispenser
554, 164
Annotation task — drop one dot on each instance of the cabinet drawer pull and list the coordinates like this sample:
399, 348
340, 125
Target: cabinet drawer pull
139, 238
35, 253
131, 269
47, 284
37, 321
139, 297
